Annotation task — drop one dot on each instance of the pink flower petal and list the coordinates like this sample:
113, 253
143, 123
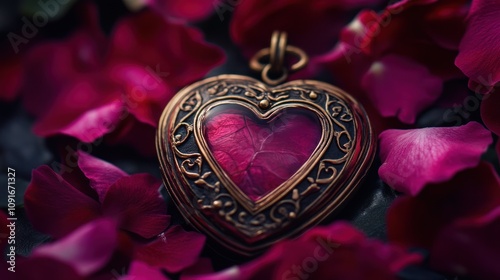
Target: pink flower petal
135, 200
86, 110
490, 112
417, 221
45, 268
54, 206
141, 271
401, 87
189, 10
478, 52
337, 251
4, 231
87, 249
416, 157
173, 250
470, 248
101, 174
176, 53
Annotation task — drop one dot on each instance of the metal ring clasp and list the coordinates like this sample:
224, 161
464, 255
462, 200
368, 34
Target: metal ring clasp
276, 54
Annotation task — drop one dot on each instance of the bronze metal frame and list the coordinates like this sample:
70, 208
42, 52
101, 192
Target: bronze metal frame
208, 198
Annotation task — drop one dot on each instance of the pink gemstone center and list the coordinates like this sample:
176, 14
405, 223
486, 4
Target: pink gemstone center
259, 155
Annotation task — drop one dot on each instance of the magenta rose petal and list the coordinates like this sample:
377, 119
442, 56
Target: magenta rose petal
481, 64
470, 247
44, 268
101, 174
11, 73
54, 206
136, 201
87, 249
189, 10
416, 157
141, 271
86, 110
177, 61
173, 250
416, 221
400, 87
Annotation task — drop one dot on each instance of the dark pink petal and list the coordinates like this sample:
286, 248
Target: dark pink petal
173, 250
141, 271
416, 157
401, 87
145, 93
52, 66
490, 112
188, 10
310, 25
176, 53
417, 221
202, 266
87, 249
101, 174
335, 252
136, 202
45, 268
54, 206
470, 247
86, 110
478, 52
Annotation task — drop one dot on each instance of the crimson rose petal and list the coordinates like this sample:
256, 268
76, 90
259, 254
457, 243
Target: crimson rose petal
416, 221
335, 252
141, 271
136, 202
413, 158
44, 268
11, 72
470, 247
173, 250
87, 249
401, 87
54, 206
478, 52
101, 174
176, 53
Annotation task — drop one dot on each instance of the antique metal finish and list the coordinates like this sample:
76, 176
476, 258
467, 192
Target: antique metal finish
207, 196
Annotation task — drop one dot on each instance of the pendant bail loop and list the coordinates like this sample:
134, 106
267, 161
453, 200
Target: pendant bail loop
275, 72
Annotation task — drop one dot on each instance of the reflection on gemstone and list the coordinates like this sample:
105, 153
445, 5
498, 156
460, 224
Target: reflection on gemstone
259, 155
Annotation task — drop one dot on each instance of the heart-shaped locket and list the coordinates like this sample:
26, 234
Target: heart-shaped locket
249, 164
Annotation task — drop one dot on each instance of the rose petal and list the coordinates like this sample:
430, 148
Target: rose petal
490, 113
416, 221
401, 87
4, 231
416, 157
101, 174
174, 52
86, 110
481, 64
188, 10
44, 268
54, 206
87, 249
311, 25
141, 271
135, 200
173, 251
470, 248
335, 252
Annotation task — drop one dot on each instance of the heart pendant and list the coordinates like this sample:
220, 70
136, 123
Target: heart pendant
250, 164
